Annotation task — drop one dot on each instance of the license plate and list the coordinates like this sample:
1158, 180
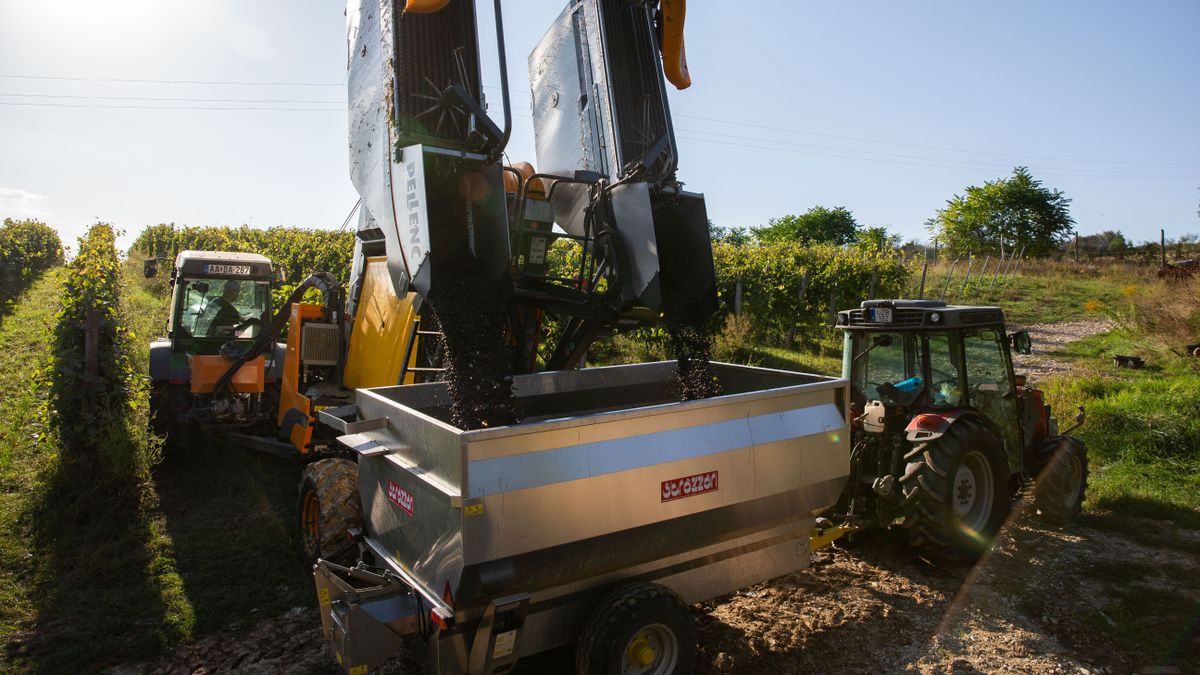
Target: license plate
234, 270
881, 315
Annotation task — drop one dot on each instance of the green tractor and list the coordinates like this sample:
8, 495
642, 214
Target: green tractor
944, 435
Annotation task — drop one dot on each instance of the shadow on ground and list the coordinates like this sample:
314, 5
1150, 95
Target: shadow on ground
231, 515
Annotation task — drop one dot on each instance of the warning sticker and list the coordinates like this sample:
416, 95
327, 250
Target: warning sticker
689, 486
505, 642
400, 497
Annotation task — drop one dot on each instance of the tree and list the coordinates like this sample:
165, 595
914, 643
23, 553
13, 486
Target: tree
1017, 210
1108, 242
877, 238
736, 236
818, 224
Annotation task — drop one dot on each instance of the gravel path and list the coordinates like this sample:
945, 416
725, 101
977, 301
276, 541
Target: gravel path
1048, 337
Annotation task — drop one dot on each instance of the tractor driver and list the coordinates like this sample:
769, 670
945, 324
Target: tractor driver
227, 319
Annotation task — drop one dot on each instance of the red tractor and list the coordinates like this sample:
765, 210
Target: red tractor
944, 434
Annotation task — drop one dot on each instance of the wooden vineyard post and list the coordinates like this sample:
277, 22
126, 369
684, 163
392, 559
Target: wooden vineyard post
91, 352
970, 264
737, 295
949, 276
924, 269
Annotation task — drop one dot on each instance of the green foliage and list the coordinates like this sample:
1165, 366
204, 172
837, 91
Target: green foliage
877, 238
85, 405
1017, 210
772, 274
817, 225
729, 235
301, 251
27, 248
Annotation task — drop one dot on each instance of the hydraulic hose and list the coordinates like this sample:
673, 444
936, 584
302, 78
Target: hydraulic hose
323, 281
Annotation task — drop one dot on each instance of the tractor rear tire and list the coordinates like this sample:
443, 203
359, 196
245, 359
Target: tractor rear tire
167, 402
955, 491
641, 627
329, 506
1061, 483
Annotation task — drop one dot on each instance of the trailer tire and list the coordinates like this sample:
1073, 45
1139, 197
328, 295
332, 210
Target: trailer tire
329, 506
1061, 482
955, 491
643, 628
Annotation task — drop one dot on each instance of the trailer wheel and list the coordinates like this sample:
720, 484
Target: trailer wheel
955, 491
329, 506
1061, 483
640, 629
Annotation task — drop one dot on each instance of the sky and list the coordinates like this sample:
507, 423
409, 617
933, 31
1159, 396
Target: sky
230, 112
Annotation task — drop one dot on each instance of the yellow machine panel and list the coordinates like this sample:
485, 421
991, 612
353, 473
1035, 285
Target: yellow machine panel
383, 332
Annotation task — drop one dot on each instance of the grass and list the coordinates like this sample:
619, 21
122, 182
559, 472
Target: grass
1142, 426
1024, 296
25, 445
202, 542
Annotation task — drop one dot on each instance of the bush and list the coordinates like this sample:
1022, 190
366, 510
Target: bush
27, 248
89, 408
771, 277
300, 251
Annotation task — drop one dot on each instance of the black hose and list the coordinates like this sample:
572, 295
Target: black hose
323, 281
503, 79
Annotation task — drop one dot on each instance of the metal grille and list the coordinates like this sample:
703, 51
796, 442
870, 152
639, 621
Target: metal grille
982, 316
900, 317
319, 344
433, 52
636, 85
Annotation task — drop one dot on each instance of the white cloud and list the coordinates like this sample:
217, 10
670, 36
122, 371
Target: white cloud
18, 203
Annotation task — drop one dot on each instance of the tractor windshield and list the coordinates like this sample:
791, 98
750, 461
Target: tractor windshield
878, 359
903, 367
222, 308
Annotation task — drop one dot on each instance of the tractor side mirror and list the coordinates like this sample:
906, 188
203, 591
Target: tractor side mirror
1021, 342
150, 267
280, 274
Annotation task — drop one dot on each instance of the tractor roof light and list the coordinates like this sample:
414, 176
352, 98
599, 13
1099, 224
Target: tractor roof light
935, 317
842, 319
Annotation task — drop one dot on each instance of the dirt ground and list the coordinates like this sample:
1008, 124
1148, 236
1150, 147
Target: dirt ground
1032, 606
1088, 598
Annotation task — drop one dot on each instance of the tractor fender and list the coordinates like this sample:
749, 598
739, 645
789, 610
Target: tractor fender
167, 365
929, 425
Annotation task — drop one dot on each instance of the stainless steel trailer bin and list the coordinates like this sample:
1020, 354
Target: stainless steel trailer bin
594, 520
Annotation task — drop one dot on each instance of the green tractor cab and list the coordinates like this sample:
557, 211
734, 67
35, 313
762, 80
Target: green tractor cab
220, 304
944, 433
